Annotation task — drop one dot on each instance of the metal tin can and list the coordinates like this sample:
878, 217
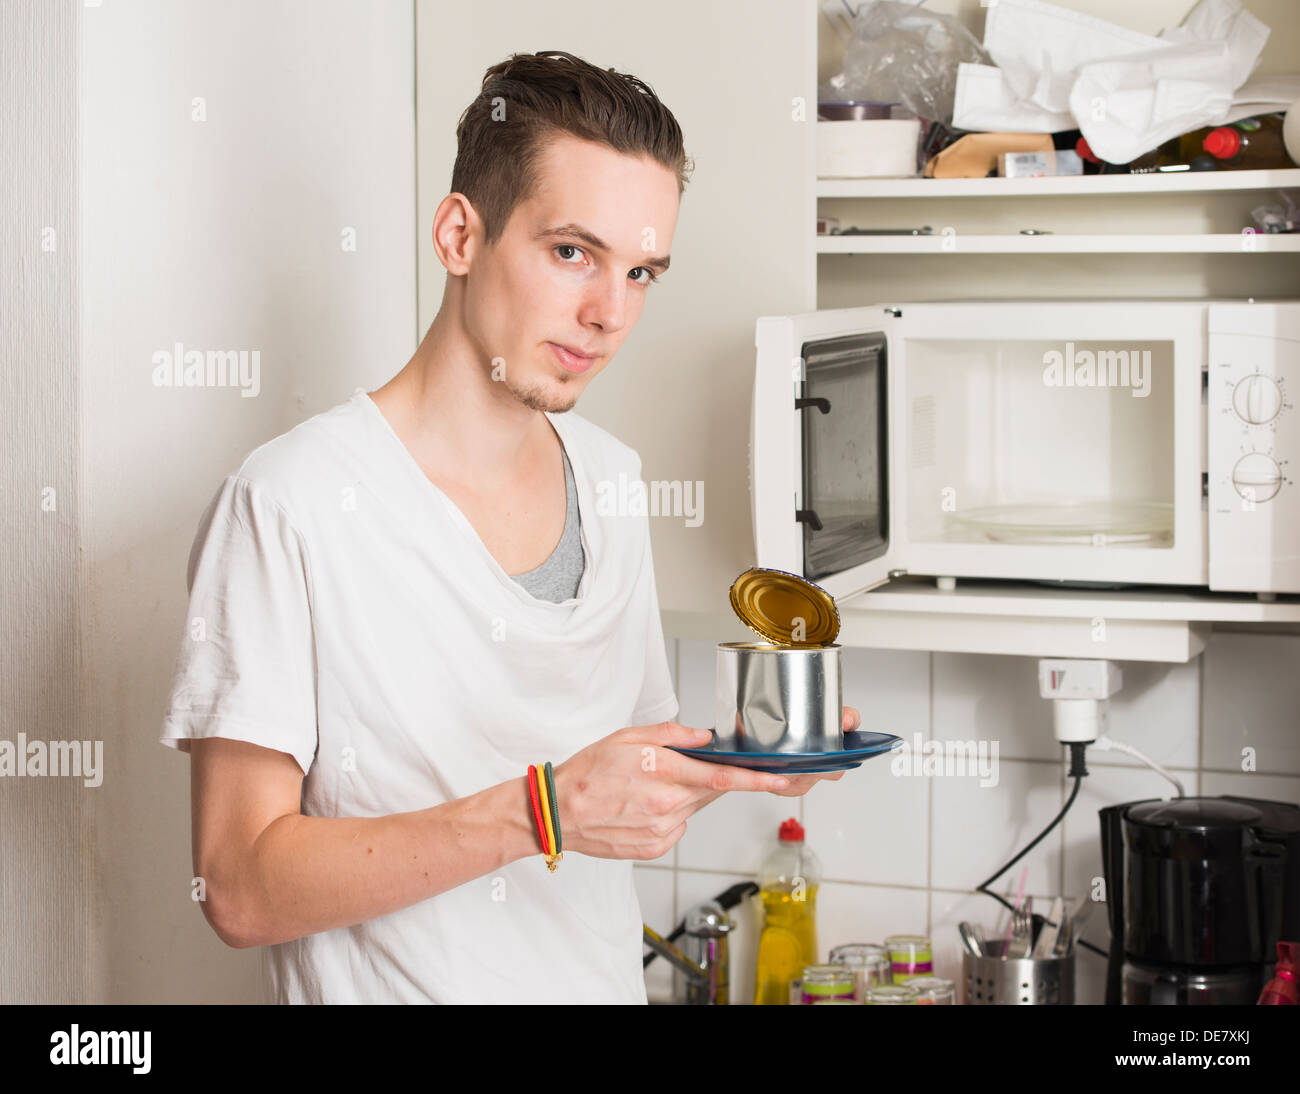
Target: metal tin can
778, 698
784, 608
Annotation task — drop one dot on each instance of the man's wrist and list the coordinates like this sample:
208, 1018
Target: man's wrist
521, 835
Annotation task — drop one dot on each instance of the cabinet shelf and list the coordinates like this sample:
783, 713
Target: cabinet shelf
1169, 243
989, 597
1025, 619
1191, 182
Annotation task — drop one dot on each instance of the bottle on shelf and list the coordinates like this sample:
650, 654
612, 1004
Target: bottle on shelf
1182, 153
1093, 164
1248, 144
788, 885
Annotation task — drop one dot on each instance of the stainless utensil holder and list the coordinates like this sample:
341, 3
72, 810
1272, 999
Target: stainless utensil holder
990, 981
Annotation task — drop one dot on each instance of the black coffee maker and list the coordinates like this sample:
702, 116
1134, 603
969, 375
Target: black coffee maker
1198, 891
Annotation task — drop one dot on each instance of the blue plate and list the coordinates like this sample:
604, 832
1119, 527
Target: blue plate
859, 745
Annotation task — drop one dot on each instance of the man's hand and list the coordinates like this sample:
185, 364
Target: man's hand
628, 795
801, 784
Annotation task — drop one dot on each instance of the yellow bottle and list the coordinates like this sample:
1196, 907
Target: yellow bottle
788, 886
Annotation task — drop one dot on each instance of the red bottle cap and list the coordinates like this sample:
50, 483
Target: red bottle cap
1222, 143
791, 831
1283, 989
1085, 152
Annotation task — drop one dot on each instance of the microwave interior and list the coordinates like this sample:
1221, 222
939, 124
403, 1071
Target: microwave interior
1007, 442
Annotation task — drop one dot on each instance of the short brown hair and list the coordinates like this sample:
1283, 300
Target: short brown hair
528, 100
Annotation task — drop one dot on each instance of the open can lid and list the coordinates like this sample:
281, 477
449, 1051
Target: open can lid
784, 608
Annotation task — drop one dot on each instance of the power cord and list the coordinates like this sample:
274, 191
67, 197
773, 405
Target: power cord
1077, 771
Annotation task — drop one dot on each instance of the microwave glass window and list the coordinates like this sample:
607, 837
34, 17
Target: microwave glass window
1036, 442
842, 415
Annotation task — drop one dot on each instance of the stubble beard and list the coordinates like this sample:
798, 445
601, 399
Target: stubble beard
540, 397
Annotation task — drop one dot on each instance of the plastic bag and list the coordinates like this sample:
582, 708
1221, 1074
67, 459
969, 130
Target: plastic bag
900, 53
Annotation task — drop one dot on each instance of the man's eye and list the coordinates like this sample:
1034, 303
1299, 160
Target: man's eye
651, 280
568, 247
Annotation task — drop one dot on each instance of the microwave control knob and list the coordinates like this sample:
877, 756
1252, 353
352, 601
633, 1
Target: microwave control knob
1257, 477
1257, 399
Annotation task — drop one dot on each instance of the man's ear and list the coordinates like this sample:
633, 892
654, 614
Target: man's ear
457, 233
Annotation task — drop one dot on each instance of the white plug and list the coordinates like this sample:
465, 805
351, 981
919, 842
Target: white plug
1080, 692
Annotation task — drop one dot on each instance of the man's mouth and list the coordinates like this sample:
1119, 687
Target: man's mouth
572, 359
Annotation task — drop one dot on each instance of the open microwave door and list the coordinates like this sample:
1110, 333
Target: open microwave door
823, 453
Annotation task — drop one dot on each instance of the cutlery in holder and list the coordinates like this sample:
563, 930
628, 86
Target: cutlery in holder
990, 980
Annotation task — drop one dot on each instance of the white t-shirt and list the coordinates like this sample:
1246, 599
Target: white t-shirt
349, 615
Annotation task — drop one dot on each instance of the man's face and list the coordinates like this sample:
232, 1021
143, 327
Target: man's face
572, 269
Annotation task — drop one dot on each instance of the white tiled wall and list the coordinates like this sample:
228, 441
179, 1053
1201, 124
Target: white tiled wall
901, 853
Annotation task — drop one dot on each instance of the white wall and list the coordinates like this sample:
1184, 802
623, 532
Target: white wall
46, 912
219, 234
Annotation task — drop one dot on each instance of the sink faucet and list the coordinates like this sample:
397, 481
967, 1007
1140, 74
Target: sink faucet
703, 972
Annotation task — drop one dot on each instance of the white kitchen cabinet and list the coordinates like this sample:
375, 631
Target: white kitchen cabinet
1133, 236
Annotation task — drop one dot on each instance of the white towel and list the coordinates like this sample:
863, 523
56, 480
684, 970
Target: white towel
1128, 92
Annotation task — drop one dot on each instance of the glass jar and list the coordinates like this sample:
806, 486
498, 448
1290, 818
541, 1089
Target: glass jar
891, 995
933, 989
822, 982
870, 964
910, 955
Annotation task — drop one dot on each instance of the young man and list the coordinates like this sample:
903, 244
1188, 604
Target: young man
401, 603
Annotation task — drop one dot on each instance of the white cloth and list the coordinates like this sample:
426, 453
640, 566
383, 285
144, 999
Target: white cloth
352, 618
1128, 92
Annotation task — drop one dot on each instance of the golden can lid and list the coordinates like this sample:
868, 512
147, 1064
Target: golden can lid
785, 608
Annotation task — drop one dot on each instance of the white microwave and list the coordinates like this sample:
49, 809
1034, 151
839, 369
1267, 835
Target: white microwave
1089, 442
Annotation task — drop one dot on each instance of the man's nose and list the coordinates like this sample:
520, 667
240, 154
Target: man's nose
606, 307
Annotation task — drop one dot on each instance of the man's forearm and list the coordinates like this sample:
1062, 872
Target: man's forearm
306, 874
